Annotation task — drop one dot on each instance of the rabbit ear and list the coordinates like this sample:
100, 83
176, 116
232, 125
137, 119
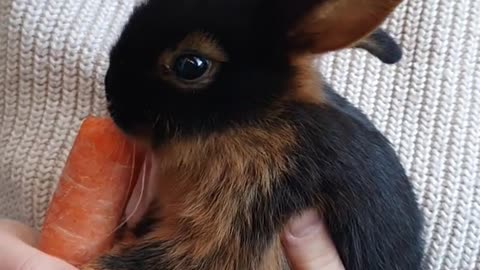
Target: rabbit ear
381, 45
337, 24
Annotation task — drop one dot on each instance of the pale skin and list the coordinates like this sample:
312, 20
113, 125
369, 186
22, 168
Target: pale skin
306, 242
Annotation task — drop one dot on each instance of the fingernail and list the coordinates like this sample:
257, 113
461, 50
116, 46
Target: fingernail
305, 225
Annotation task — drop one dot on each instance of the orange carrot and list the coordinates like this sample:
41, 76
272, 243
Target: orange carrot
92, 193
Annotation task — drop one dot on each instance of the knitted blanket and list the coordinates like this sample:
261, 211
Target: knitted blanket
54, 54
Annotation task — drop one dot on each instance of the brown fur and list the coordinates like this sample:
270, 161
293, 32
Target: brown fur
338, 24
202, 187
204, 43
306, 86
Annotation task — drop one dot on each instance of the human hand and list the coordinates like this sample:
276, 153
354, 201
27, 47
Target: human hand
18, 252
306, 242
308, 246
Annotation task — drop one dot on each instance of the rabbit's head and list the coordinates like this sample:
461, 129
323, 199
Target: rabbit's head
183, 67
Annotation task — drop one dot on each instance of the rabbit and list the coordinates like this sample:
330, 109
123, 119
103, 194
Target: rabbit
246, 134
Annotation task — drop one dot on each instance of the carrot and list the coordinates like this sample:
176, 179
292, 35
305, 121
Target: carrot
92, 193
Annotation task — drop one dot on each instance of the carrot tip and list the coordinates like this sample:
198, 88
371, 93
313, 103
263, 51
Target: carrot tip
92, 192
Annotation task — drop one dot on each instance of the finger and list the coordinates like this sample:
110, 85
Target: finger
308, 245
20, 230
17, 254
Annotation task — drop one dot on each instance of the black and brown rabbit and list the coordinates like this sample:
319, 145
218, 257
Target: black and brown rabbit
245, 135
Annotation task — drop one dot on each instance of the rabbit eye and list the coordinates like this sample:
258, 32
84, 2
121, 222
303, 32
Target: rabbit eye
190, 67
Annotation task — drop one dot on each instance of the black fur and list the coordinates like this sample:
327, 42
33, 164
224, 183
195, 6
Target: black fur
367, 194
344, 166
383, 46
148, 255
347, 169
254, 76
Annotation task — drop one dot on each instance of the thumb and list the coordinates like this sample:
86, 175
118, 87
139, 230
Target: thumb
308, 246
17, 253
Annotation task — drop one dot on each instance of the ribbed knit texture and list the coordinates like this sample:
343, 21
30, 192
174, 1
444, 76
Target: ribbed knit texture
54, 54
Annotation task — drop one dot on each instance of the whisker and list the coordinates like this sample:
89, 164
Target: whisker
135, 209
157, 120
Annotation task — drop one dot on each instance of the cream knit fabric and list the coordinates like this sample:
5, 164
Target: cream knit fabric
53, 56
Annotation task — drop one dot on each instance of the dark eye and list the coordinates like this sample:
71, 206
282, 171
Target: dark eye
190, 66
